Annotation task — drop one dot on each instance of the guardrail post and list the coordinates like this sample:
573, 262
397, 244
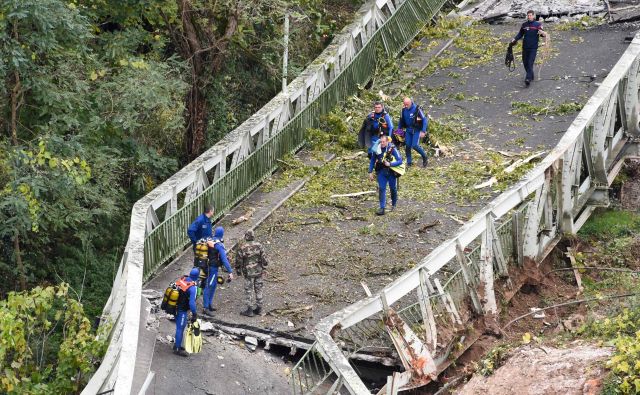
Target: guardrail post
488, 296
516, 233
426, 310
567, 187
448, 303
463, 261
498, 255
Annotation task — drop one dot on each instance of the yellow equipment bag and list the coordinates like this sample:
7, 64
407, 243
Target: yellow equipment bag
399, 170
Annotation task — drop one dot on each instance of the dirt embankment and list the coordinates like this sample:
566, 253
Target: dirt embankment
544, 370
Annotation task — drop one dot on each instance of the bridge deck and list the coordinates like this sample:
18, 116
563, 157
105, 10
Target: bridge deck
321, 265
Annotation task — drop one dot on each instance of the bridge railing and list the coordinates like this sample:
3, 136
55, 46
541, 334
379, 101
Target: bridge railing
229, 170
519, 227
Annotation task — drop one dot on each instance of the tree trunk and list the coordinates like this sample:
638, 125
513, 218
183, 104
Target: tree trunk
197, 122
205, 53
16, 92
22, 274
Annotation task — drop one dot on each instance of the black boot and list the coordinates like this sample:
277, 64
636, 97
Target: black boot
380, 211
248, 312
425, 160
180, 351
257, 310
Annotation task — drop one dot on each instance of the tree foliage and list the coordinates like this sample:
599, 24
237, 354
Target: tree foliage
47, 345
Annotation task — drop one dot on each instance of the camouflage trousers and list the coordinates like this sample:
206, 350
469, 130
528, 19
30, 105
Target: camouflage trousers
252, 284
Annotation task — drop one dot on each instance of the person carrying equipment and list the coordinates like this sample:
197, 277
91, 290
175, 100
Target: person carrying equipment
217, 258
529, 33
251, 263
376, 123
201, 227
415, 123
186, 301
386, 163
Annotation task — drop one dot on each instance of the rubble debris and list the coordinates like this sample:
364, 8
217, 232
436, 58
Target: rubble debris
251, 343
544, 370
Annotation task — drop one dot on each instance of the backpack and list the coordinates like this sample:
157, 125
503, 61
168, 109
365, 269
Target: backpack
426, 139
175, 295
201, 251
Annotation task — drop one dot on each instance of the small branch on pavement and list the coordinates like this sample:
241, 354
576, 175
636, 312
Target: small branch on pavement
352, 194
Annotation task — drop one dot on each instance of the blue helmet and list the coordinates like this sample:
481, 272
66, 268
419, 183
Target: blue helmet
194, 274
218, 233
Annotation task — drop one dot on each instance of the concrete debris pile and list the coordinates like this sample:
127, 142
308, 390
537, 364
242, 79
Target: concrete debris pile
563, 11
545, 9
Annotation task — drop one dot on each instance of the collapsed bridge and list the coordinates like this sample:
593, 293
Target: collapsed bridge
573, 180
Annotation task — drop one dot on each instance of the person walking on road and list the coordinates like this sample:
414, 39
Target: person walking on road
530, 33
384, 164
414, 122
376, 123
251, 263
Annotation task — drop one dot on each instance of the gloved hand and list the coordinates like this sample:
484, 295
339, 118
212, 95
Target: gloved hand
194, 317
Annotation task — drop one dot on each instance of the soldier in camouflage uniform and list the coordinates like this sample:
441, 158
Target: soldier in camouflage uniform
251, 263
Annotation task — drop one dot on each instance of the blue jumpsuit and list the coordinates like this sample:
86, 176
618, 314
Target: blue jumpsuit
217, 256
385, 175
375, 117
199, 229
181, 316
413, 128
529, 33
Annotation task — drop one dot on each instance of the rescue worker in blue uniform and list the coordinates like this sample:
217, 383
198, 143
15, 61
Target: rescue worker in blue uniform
217, 257
201, 227
414, 122
186, 302
387, 157
529, 32
376, 123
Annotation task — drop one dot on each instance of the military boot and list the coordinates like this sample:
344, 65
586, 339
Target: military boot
248, 312
257, 310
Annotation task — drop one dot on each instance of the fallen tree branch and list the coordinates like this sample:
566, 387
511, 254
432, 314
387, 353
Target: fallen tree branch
521, 162
293, 310
627, 295
352, 156
610, 269
287, 163
244, 217
352, 194
431, 225
317, 221
576, 273
487, 183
